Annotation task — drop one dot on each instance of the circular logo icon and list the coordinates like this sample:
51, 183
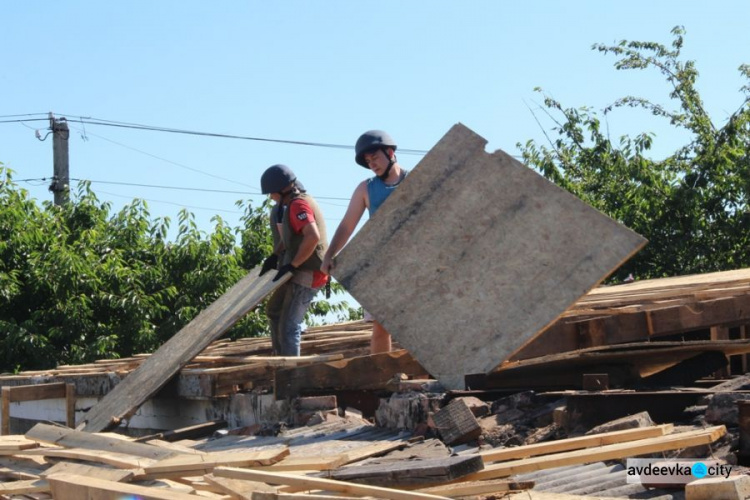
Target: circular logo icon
699, 470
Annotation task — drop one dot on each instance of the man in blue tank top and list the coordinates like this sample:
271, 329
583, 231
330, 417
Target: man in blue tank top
375, 150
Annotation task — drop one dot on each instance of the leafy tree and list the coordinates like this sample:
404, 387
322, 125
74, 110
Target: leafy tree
78, 284
693, 204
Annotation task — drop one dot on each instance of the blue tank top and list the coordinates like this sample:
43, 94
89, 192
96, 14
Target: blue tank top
378, 191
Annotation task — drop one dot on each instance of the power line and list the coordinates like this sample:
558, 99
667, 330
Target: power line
192, 188
26, 114
167, 161
182, 205
111, 123
176, 204
179, 188
26, 120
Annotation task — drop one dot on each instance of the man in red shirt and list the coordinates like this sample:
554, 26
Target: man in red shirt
300, 244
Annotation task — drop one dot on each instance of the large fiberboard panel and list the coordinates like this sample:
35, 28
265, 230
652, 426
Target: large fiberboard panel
474, 254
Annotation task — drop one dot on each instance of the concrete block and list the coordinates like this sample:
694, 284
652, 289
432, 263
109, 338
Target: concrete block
719, 488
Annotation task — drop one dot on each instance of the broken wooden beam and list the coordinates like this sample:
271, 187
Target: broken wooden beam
410, 473
360, 373
190, 432
70, 438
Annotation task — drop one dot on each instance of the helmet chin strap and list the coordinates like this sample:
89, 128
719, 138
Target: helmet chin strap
286, 194
391, 162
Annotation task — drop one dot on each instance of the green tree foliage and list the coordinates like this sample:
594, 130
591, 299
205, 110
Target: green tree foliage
692, 205
78, 283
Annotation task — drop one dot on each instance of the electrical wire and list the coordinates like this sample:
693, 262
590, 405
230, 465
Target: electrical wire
192, 169
191, 207
112, 123
26, 114
25, 120
204, 190
175, 204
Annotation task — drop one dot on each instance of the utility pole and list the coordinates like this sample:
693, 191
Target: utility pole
60, 186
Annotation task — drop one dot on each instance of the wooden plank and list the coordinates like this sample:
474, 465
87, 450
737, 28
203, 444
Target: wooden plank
530, 251
405, 473
240, 488
360, 373
36, 392
70, 405
624, 362
608, 452
15, 443
472, 488
42, 485
70, 438
119, 460
5, 411
190, 432
89, 470
544, 495
74, 486
643, 321
576, 443
208, 461
300, 496
306, 463
20, 467
313, 483
24, 487
371, 450
278, 361
161, 366
167, 445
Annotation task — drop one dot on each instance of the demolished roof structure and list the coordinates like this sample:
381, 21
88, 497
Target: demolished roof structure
533, 357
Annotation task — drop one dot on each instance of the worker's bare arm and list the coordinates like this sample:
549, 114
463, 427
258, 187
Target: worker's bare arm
348, 224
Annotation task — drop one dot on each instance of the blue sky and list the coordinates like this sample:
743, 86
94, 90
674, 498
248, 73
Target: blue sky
322, 72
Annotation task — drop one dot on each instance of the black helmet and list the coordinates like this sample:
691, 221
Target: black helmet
370, 141
276, 178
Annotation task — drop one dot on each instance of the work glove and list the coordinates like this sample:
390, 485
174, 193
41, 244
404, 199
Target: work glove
271, 262
286, 268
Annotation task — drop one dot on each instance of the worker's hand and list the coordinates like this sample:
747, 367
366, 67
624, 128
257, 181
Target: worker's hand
286, 268
271, 262
327, 264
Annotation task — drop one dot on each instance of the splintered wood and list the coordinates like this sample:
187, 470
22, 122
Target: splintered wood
253, 467
646, 310
224, 367
605, 317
